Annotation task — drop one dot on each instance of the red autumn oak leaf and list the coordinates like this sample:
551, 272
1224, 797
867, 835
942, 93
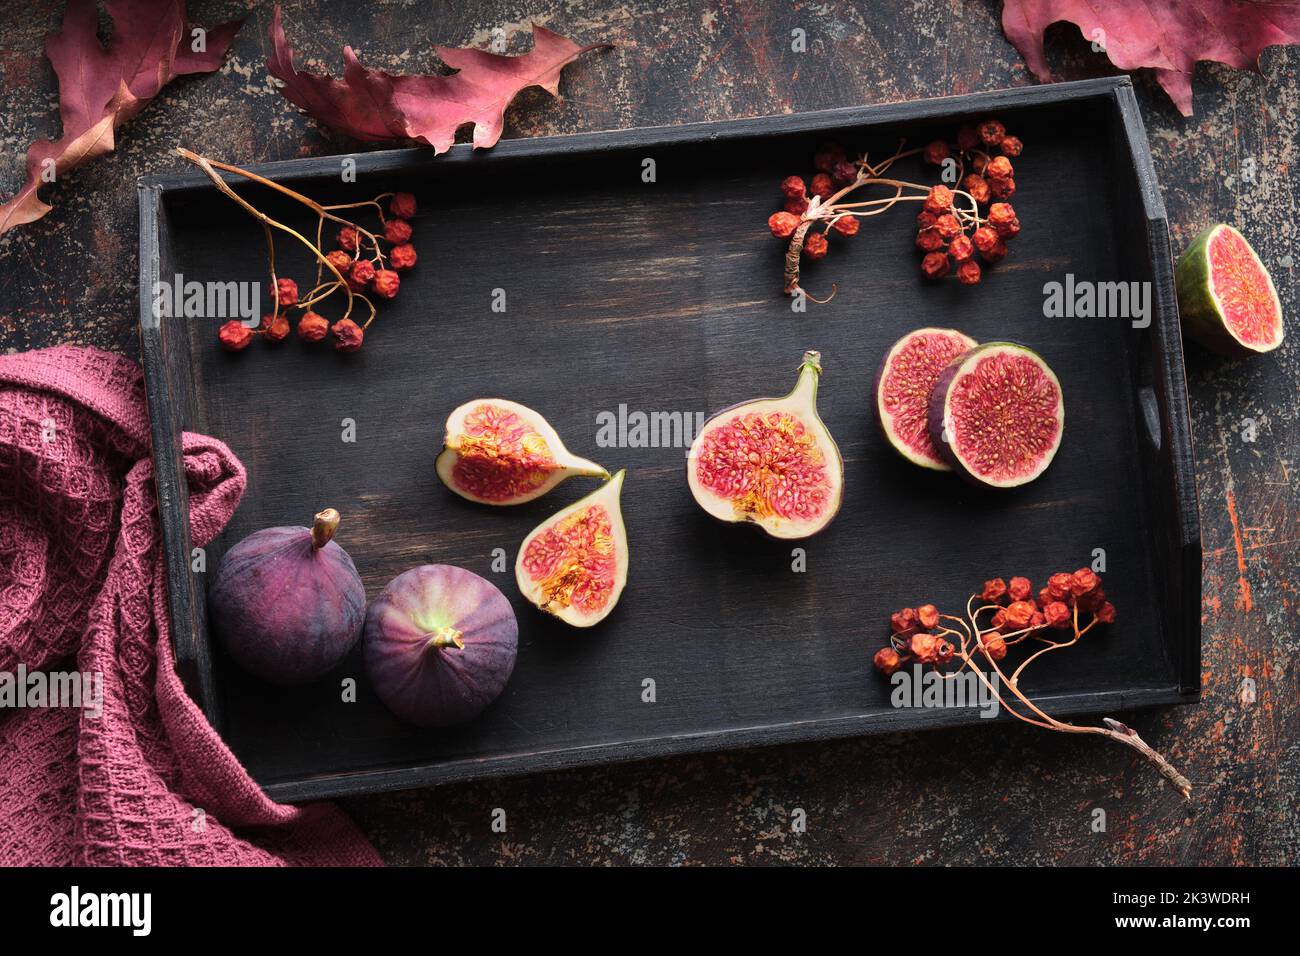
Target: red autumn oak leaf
374, 106
102, 88
1166, 35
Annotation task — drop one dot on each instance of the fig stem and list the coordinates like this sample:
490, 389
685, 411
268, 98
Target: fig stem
447, 637
810, 370
323, 527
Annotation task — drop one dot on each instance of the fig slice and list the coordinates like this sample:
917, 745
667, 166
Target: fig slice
904, 382
498, 452
770, 462
997, 414
574, 564
1225, 295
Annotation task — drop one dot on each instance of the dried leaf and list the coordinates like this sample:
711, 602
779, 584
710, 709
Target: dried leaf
100, 89
1168, 35
374, 106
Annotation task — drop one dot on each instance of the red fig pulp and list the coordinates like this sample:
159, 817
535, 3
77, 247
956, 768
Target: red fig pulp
287, 603
997, 414
574, 564
770, 462
906, 378
502, 453
440, 645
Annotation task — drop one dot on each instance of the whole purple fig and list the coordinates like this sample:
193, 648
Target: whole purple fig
287, 603
440, 644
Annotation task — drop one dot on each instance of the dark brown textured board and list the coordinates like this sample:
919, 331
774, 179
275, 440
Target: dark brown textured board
665, 297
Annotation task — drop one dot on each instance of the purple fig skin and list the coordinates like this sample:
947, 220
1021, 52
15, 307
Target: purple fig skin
938, 396
440, 645
286, 611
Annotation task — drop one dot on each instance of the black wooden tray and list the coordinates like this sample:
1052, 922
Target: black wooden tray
665, 296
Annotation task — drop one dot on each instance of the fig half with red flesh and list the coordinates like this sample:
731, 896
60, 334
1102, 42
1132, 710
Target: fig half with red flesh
997, 414
574, 564
904, 382
770, 462
498, 452
1226, 297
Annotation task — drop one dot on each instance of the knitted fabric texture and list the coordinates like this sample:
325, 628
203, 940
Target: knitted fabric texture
82, 587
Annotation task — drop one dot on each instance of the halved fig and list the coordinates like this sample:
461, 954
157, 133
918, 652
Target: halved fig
502, 453
770, 462
574, 564
997, 415
1225, 295
903, 385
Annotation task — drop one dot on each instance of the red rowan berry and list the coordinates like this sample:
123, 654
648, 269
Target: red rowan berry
947, 226
937, 152
1001, 213
402, 205
967, 138
999, 167
846, 225
991, 132
402, 257
397, 231
999, 619
996, 253
928, 615
984, 238
798, 205
275, 328
1008, 230
286, 291
961, 249
340, 260
234, 335
935, 265
994, 645
977, 186
1092, 600
979, 162
927, 648
1020, 614
347, 335
1084, 581
995, 589
929, 240
1011, 145
827, 156
816, 246
782, 224
312, 327
1106, 613
1044, 597
822, 186
1020, 589
924, 220
888, 660
386, 283
1059, 586
792, 187
360, 274
968, 272
348, 238
939, 199
844, 172
903, 622
1058, 615
1002, 188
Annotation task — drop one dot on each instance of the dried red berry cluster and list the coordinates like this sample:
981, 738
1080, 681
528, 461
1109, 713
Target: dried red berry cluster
834, 172
362, 276
949, 230
1020, 612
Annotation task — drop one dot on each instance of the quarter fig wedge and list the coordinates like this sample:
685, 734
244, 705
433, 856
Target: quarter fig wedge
499, 452
574, 564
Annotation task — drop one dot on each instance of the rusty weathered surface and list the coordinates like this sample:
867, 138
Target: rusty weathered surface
997, 795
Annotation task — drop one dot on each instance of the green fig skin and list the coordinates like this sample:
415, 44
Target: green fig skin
1202, 319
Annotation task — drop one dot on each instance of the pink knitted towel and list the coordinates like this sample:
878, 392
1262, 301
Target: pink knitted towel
146, 780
